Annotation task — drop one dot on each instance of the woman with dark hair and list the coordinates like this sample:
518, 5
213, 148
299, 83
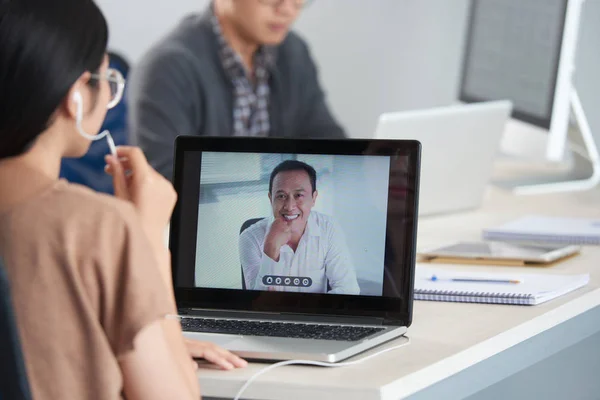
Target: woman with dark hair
90, 275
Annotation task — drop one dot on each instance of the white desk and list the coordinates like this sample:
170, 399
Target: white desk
458, 350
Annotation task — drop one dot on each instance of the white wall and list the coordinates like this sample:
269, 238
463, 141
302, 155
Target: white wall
385, 55
136, 24
374, 55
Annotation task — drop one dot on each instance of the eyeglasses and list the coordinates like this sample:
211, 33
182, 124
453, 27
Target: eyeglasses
277, 3
116, 82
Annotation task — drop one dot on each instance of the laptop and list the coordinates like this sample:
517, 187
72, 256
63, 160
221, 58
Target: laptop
460, 143
342, 279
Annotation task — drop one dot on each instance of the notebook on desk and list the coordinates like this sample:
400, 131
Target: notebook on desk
544, 229
440, 284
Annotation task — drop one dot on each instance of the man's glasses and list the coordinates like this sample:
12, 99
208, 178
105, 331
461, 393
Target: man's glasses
277, 3
117, 85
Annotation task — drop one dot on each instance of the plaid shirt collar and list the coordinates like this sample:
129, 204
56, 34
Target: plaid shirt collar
251, 96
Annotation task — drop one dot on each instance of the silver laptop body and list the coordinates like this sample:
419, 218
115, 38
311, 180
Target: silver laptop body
221, 182
460, 143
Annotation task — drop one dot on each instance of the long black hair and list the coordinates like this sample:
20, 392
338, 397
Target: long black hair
45, 46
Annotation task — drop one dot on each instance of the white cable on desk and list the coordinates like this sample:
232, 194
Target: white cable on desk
315, 363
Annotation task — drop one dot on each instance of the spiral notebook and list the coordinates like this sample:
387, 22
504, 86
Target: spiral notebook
445, 284
544, 229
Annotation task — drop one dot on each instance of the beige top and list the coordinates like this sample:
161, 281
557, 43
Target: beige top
84, 282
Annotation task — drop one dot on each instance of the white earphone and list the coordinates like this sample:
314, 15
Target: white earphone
79, 119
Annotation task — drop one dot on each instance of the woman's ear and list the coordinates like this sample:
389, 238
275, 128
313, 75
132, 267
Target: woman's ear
74, 102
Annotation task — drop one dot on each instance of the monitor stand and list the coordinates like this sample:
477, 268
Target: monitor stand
561, 180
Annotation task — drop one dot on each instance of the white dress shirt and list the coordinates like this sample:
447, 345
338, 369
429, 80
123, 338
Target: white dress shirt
322, 257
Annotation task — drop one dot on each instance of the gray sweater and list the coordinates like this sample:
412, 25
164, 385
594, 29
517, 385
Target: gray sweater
181, 88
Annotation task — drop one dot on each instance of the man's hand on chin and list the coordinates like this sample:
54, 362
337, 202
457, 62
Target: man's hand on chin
214, 354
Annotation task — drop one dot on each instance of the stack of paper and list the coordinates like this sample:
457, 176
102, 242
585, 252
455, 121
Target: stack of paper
437, 284
541, 229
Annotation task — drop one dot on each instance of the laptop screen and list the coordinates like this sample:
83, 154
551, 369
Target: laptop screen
294, 222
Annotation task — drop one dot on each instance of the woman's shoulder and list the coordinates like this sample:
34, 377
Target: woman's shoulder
74, 206
93, 227
74, 189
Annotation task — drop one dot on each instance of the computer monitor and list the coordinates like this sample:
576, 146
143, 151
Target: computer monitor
524, 51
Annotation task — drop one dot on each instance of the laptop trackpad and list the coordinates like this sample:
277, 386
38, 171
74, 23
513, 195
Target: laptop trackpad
277, 345
219, 340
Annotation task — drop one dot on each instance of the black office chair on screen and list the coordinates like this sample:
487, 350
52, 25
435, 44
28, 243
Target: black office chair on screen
247, 224
14, 384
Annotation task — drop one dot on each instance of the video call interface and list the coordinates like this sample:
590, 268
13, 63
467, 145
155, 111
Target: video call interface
300, 223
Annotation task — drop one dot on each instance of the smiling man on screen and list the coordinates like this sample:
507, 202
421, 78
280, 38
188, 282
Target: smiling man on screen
297, 249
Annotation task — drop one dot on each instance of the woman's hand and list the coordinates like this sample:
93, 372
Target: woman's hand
136, 181
214, 354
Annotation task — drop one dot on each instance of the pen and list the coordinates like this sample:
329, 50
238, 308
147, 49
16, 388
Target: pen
479, 280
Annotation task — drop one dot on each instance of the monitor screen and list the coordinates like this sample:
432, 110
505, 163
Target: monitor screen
312, 226
513, 52
303, 223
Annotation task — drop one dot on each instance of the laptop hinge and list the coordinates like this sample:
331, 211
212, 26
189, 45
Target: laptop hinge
339, 319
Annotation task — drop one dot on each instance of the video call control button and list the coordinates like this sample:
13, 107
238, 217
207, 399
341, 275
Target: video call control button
293, 281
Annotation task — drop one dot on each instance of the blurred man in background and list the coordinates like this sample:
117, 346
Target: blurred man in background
235, 70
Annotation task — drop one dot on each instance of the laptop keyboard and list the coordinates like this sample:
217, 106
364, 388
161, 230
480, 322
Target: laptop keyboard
278, 329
